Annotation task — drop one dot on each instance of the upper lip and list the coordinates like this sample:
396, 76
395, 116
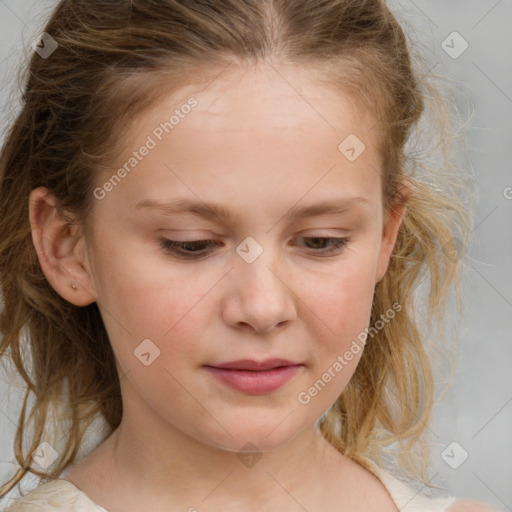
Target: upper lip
250, 364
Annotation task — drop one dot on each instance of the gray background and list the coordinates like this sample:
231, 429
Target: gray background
476, 413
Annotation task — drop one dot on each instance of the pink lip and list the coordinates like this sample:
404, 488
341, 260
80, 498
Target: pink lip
255, 382
250, 364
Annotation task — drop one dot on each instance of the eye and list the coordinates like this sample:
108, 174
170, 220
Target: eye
192, 249
318, 244
197, 248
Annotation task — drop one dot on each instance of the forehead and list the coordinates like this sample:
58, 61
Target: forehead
253, 130
266, 97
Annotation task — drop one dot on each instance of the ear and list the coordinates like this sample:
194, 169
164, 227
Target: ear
61, 249
390, 230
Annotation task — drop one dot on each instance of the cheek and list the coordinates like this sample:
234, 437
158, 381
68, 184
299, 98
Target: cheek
341, 299
140, 300
339, 311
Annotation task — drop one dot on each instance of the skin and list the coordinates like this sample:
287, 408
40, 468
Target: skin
259, 147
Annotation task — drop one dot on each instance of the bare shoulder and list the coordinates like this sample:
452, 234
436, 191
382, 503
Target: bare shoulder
471, 506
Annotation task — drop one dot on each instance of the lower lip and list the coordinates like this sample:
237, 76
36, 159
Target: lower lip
255, 382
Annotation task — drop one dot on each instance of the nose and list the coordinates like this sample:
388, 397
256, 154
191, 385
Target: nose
259, 295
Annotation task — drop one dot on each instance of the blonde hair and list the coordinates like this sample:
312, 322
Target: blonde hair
75, 104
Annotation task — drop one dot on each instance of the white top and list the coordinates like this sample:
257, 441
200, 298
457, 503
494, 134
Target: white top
61, 495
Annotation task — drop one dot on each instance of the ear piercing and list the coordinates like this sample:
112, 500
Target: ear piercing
74, 286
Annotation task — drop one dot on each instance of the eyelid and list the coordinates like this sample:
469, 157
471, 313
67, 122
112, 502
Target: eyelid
193, 235
324, 233
190, 234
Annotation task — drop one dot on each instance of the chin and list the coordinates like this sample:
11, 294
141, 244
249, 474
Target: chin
256, 438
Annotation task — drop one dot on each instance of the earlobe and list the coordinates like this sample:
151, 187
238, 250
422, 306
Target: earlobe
60, 249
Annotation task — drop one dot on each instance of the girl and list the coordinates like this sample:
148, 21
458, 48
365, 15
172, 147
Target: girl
212, 236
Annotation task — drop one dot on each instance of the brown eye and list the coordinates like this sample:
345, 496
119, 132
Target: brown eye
318, 244
192, 249
197, 248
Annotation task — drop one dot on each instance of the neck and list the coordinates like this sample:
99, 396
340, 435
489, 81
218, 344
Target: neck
180, 471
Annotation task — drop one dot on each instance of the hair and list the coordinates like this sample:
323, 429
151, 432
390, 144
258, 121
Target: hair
113, 60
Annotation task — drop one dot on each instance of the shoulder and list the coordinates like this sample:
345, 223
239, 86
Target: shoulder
409, 499
53, 496
470, 506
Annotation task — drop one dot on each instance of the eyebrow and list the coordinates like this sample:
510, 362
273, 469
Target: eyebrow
210, 210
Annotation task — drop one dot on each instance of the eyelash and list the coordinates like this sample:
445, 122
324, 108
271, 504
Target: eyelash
175, 248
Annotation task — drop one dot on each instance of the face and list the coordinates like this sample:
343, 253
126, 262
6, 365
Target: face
241, 232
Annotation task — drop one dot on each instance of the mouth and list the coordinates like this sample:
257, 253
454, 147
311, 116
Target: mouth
255, 378
251, 364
